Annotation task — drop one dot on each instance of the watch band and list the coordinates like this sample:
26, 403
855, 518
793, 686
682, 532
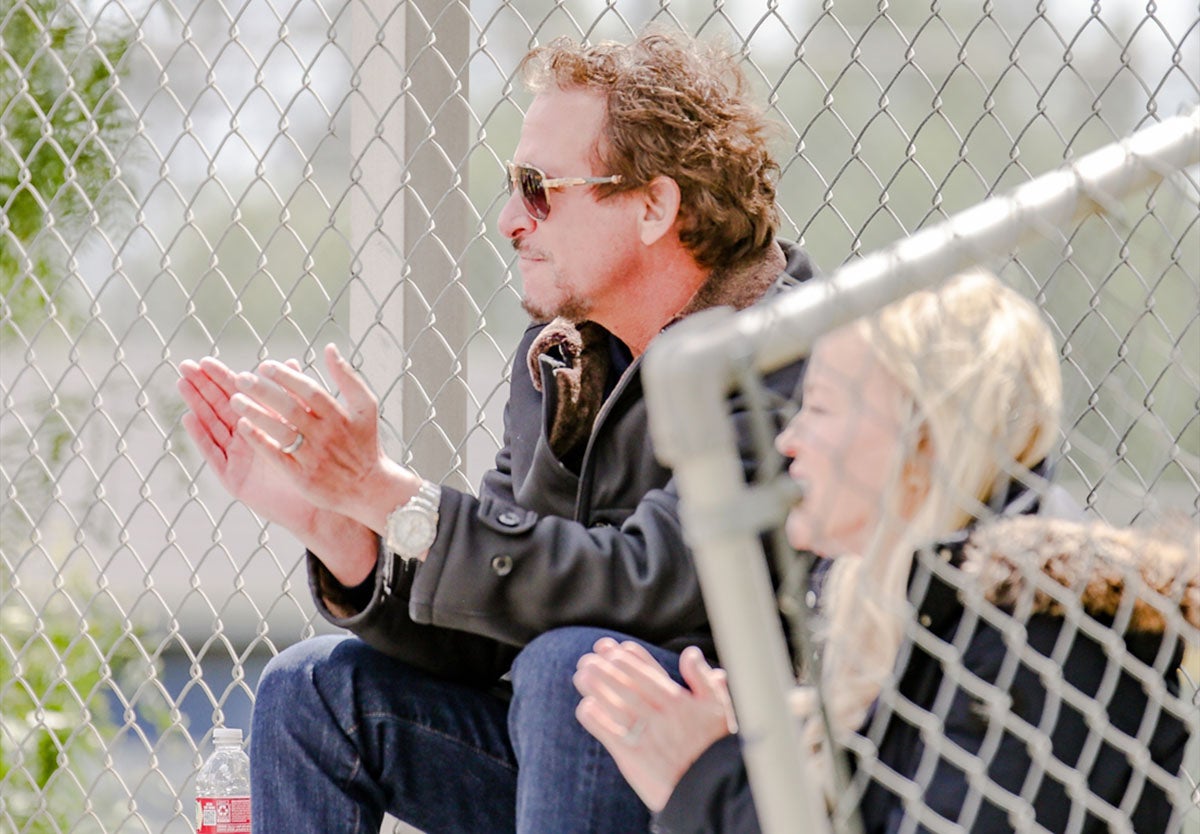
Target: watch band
428, 497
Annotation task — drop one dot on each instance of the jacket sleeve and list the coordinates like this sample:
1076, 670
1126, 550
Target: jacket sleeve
384, 624
512, 574
381, 616
506, 572
499, 574
712, 797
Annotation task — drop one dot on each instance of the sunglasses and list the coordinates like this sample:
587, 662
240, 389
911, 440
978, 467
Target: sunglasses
534, 184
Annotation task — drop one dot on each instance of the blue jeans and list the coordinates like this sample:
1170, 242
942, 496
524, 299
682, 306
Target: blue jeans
342, 733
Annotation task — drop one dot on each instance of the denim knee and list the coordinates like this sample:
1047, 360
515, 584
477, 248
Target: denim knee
566, 780
289, 675
542, 672
555, 653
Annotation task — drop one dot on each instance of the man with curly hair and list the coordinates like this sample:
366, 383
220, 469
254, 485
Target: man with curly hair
642, 191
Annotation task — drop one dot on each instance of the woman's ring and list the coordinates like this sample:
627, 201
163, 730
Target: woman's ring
291, 448
634, 734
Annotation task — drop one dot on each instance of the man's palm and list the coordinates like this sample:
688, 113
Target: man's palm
246, 475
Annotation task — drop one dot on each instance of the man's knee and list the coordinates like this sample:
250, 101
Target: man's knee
554, 654
294, 672
543, 692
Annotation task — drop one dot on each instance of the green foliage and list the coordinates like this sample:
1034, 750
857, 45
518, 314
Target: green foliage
57, 669
67, 650
61, 116
62, 119
30, 460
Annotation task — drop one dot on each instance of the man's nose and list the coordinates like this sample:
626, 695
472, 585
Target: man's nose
514, 220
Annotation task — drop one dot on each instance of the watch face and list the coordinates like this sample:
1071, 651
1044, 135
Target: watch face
411, 531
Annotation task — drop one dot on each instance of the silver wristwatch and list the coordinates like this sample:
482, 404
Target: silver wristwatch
412, 527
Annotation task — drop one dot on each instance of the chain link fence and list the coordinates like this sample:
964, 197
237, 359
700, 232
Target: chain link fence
1003, 725
251, 179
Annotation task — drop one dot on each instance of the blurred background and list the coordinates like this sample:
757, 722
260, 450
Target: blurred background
257, 178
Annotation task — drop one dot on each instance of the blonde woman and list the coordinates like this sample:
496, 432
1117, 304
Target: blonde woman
924, 430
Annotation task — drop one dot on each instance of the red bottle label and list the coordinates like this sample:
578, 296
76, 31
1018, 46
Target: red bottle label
222, 815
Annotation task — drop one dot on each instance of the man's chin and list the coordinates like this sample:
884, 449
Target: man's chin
535, 311
572, 310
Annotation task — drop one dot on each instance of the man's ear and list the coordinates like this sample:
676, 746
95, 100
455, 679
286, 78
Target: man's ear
659, 207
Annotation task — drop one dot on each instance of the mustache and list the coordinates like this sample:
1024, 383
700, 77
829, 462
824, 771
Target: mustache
520, 246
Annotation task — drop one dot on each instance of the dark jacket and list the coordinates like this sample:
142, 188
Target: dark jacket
577, 523
1064, 719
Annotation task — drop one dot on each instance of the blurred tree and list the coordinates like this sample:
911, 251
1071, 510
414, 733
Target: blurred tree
62, 657
62, 121
58, 669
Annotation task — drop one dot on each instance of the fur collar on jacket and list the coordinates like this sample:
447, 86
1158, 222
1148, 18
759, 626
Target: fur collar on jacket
1116, 575
578, 353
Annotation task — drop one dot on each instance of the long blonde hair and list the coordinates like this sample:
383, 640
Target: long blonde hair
978, 366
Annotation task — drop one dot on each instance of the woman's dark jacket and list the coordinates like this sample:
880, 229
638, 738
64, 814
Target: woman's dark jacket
1058, 692
577, 523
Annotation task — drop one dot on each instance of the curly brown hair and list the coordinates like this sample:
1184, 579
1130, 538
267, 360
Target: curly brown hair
677, 107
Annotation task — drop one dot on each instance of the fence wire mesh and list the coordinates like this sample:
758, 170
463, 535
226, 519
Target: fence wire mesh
1018, 633
254, 179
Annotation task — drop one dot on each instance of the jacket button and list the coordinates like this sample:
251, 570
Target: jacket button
502, 565
509, 518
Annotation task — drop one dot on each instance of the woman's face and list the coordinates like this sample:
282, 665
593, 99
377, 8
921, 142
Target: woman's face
844, 444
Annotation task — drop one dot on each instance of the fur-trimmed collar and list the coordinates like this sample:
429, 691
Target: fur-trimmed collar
1136, 579
579, 358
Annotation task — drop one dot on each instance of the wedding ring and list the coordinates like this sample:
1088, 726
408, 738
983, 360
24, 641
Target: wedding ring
291, 448
634, 734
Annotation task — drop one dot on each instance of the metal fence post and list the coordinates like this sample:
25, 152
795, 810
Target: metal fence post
410, 125
690, 370
730, 560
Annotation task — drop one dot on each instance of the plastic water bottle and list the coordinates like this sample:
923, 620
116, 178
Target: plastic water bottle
223, 787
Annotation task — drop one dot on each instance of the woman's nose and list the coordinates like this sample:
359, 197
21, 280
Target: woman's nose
787, 440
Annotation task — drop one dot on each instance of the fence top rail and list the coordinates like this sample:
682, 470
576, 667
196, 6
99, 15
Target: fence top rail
777, 333
692, 368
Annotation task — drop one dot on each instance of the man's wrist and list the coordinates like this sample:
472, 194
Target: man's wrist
347, 548
388, 487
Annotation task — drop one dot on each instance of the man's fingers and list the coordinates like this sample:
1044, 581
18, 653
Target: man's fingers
214, 383
353, 387
219, 373
269, 398
265, 420
209, 450
215, 426
265, 445
294, 394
